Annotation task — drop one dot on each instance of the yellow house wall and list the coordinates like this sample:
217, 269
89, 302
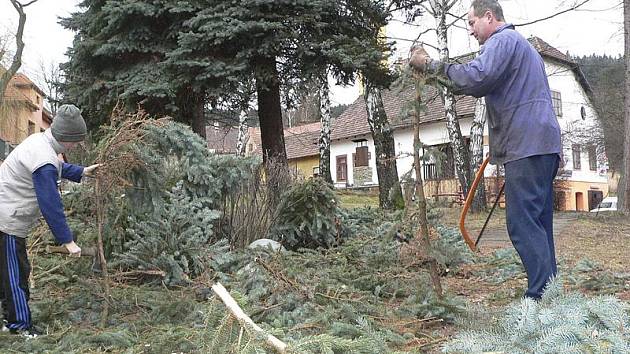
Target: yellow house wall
14, 123
304, 165
581, 187
15, 116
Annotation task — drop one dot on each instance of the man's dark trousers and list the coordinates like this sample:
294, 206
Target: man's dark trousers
529, 214
14, 272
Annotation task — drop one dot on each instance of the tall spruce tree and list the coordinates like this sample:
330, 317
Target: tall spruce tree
118, 56
282, 44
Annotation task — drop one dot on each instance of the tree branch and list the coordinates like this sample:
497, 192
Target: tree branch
449, 6
29, 3
245, 321
575, 7
17, 58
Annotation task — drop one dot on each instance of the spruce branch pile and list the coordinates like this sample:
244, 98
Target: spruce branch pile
309, 216
558, 323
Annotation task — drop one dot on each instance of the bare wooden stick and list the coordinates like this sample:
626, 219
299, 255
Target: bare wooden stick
242, 317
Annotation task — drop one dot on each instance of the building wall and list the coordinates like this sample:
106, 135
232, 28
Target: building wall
576, 194
304, 166
22, 114
575, 130
430, 134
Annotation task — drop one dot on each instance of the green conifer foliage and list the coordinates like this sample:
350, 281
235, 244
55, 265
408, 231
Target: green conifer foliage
558, 323
174, 238
117, 56
309, 216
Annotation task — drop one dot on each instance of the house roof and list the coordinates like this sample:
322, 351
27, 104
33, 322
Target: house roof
14, 93
302, 144
546, 50
299, 141
222, 139
353, 121
21, 80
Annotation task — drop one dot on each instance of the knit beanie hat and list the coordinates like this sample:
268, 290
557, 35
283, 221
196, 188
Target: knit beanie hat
68, 125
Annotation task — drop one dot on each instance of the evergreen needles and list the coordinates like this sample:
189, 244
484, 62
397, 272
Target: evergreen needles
558, 323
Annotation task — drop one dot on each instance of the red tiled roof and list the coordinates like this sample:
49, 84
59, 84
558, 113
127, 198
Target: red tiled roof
308, 127
547, 50
222, 139
23, 80
302, 145
353, 121
299, 141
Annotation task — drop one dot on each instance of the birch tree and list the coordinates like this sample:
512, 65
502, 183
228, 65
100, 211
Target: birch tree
16, 63
476, 152
624, 184
242, 133
439, 9
324, 136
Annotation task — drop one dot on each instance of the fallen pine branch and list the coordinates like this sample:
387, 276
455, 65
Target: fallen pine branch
242, 317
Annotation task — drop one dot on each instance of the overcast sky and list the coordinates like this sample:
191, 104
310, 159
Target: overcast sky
595, 28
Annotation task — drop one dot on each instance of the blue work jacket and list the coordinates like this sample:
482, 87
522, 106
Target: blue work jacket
510, 74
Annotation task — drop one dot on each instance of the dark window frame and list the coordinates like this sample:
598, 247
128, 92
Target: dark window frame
577, 156
556, 101
342, 173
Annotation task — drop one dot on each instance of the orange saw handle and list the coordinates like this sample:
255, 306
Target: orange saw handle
468, 202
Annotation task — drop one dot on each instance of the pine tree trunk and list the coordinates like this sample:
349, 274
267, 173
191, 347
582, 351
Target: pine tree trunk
422, 201
324, 136
460, 151
624, 183
270, 111
383, 145
242, 133
199, 114
476, 153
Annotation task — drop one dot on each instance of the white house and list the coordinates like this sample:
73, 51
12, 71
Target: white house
581, 183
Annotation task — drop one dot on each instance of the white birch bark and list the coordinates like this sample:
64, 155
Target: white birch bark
476, 151
460, 152
324, 136
242, 133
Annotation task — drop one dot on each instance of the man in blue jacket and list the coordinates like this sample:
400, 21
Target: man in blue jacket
524, 133
28, 188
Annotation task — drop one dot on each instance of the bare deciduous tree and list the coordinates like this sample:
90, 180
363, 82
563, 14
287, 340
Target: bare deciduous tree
51, 78
16, 63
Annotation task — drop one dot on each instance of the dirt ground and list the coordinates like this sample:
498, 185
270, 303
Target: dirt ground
603, 239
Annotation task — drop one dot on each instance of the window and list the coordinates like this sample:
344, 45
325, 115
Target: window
556, 100
315, 171
592, 158
361, 157
577, 163
342, 168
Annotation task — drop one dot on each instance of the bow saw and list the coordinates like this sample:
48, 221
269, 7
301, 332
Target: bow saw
469, 198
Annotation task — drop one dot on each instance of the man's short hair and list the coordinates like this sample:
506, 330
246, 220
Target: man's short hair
481, 6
